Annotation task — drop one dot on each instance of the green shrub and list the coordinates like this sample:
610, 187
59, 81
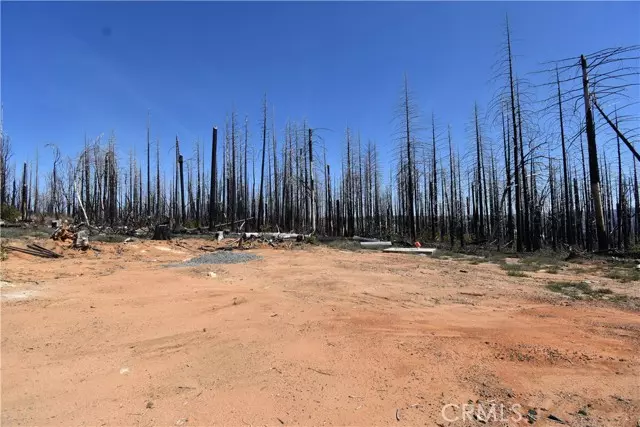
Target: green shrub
9, 213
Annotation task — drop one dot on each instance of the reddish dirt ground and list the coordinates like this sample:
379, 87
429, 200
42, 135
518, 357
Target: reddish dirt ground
315, 336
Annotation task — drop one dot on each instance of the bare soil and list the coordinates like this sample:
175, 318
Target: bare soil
313, 336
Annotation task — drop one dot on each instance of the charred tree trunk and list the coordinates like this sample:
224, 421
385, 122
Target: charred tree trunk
213, 190
594, 173
264, 150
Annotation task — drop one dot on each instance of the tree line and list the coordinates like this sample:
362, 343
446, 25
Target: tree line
552, 173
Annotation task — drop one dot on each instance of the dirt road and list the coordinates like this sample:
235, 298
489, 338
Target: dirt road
306, 337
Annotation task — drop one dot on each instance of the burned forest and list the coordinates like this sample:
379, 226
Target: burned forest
320, 214
550, 163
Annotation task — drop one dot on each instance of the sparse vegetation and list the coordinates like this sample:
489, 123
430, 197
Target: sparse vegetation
343, 244
109, 238
518, 267
516, 273
582, 290
553, 269
624, 275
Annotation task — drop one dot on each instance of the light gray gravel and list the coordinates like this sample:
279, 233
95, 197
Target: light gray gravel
221, 257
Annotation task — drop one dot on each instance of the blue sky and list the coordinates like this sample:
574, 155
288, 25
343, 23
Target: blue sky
92, 67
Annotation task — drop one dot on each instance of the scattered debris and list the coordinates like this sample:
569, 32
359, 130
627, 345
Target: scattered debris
149, 405
124, 371
583, 412
320, 372
620, 399
239, 300
472, 294
556, 419
212, 274
281, 422
532, 416
463, 271
274, 314
398, 414
140, 232
182, 421
219, 235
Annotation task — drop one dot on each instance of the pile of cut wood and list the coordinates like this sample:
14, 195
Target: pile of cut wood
35, 250
80, 238
63, 234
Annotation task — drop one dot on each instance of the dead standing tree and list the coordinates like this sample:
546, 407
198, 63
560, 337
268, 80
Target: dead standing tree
264, 152
407, 119
606, 76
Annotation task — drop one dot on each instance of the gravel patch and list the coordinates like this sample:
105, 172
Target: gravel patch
222, 257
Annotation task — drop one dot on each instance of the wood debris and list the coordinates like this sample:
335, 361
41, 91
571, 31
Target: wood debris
35, 250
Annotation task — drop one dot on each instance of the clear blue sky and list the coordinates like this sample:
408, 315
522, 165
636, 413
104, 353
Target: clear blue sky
92, 67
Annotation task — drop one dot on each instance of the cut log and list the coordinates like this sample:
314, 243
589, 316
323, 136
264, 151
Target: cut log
162, 232
415, 251
375, 245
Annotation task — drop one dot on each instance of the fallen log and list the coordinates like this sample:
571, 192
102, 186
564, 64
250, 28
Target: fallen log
416, 251
375, 245
364, 239
275, 236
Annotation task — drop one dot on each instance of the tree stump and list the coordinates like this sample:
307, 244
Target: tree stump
81, 240
162, 232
